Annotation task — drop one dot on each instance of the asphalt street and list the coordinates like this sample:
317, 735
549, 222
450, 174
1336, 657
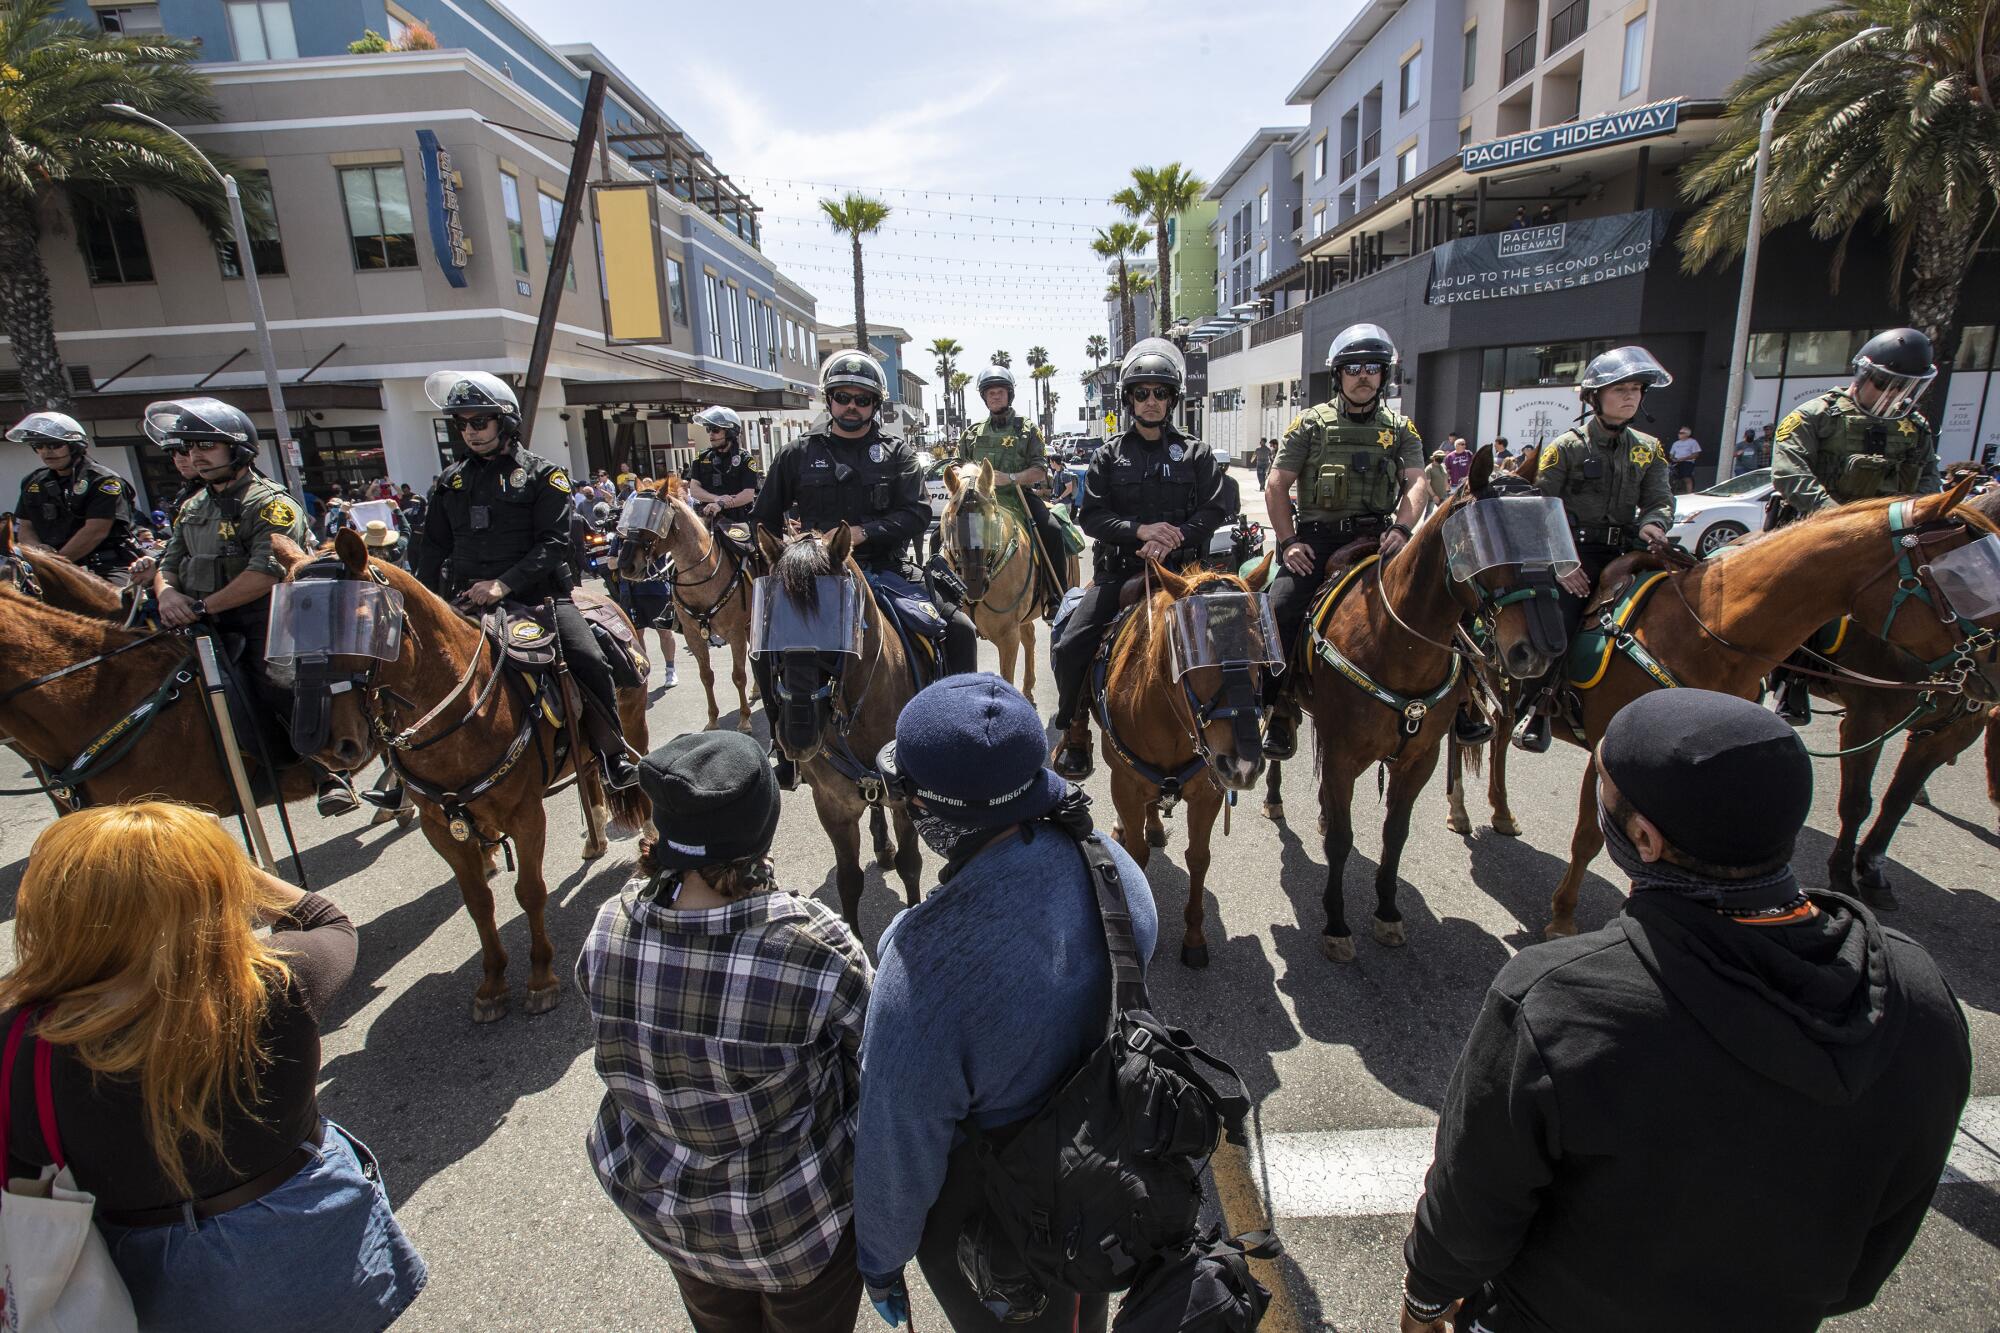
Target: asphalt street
480, 1128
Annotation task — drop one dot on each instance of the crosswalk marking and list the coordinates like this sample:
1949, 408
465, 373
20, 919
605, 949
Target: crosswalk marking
1380, 1172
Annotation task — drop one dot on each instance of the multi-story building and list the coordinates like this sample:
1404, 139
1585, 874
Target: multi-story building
1257, 198
415, 198
1191, 257
1144, 320
886, 342
1514, 205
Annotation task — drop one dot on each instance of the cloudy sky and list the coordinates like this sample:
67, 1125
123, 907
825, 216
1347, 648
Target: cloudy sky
994, 132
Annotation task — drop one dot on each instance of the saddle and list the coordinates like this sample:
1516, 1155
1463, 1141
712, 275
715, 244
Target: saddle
1620, 574
616, 638
918, 625
526, 637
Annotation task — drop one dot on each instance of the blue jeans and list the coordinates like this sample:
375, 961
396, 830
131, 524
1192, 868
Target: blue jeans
322, 1253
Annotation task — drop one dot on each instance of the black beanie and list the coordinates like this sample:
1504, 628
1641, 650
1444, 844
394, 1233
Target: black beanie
1721, 778
714, 799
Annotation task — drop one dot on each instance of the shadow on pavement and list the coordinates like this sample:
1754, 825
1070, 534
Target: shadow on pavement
1522, 877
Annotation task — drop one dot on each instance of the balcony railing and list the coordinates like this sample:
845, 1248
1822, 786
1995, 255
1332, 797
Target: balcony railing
1568, 24
1347, 164
1371, 147
1520, 58
1226, 345
1280, 325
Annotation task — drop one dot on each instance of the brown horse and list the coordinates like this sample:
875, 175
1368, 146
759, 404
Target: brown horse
456, 723
47, 576
1166, 741
711, 588
1723, 625
997, 566
832, 712
1384, 674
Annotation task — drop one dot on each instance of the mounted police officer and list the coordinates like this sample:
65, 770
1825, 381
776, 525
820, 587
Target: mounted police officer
721, 480
1858, 443
498, 528
849, 473
1359, 467
1152, 493
1615, 484
1015, 448
73, 506
219, 566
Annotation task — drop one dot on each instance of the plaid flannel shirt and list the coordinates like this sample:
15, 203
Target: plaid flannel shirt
729, 1041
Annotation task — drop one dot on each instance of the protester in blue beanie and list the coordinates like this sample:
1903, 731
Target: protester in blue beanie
987, 993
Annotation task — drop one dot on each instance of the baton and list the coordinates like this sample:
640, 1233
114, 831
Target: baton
225, 730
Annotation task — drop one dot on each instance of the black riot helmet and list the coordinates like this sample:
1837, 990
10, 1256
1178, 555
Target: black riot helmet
1899, 363
178, 423
1152, 361
42, 429
855, 370
474, 393
1620, 365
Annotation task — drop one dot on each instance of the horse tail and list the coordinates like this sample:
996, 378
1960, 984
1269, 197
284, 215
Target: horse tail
1472, 756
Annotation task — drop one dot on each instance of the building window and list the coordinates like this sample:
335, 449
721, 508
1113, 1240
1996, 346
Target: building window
677, 300
1409, 84
1406, 165
131, 21
812, 347
1263, 263
770, 338
756, 332
551, 219
1263, 207
114, 241
1319, 222
710, 298
262, 30
400, 22
1471, 57
1464, 135
733, 298
1635, 57
510, 205
378, 217
1319, 158
265, 251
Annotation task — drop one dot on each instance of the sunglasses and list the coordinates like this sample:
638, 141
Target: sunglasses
840, 398
1146, 393
1366, 368
476, 423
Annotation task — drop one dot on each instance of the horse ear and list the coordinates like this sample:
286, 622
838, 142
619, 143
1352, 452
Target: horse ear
951, 481
838, 547
986, 476
1482, 468
769, 545
1954, 495
6, 534
353, 552
1175, 585
1531, 462
1260, 573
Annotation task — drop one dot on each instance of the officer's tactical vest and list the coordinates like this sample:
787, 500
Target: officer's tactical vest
1604, 484
1351, 468
1856, 456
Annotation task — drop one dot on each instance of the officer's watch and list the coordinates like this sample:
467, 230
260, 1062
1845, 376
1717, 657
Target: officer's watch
1289, 542
1403, 528
200, 609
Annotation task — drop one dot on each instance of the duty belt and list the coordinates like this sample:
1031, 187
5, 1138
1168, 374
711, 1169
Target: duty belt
1348, 528
1601, 534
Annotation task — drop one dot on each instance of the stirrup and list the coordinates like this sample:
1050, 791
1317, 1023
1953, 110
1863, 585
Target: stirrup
1281, 735
1073, 758
1534, 735
1470, 728
336, 796
619, 772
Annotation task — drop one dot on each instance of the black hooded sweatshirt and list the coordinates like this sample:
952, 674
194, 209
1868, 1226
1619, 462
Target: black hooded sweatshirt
1683, 1122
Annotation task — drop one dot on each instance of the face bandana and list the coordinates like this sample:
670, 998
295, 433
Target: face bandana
1774, 892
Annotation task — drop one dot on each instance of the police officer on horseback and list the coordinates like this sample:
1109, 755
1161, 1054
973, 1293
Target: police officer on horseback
1015, 448
1359, 467
75, 507
219, 567
1858, 443
721, 480
1614, 482
1150, 494
498, 529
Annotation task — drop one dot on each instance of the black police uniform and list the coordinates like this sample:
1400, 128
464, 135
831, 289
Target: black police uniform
58, 505
507, 517
874, 483
1133, 481
725, 470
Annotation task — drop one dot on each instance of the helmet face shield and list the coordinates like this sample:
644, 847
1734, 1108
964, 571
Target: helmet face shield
183, 421
718, 418
855, 370
468, 391
1887, 394
41, 429
1361, 344
1623, 364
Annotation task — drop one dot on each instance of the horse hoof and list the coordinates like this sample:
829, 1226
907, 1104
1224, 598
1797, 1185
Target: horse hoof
742, 725
405, 818
489, 1009
1560, 928
541, 1000
1923, 797
1156, 837
1194, 955
1458, 823
1337, 948
1274, 811
1507, 826
1879, 896
1390, 933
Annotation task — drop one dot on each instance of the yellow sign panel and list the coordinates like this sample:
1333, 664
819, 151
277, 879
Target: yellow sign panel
1110, 423
633, 310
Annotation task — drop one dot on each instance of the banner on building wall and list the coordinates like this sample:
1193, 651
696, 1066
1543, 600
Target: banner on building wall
441, 186
635, 298
1639, 122
1552, 258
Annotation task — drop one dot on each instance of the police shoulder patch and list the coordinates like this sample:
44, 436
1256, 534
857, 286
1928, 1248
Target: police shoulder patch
110, 486
559, 479
1790, 425
279, 513
458, 481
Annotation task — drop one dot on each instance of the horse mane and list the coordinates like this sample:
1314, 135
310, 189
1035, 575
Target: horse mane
50, 563
61, 617
804, 559
1146, 641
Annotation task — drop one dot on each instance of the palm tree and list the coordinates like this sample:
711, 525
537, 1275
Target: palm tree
1096, 347
1003, 359
1038, 357
854, 217
956, 384
1899, 132
1157, 194
947, 351
1042, 374
1115, 242
55, 77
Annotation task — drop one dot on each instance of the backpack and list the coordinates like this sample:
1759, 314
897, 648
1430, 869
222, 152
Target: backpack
1106, 1177
1207, 1288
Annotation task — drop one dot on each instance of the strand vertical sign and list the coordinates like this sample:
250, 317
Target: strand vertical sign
441, 185
635, 296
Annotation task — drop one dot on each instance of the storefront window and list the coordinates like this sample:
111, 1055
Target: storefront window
1767, 355
1822, 352
350, 456
1975, 348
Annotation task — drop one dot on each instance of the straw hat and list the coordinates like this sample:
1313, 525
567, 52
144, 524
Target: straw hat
378, 534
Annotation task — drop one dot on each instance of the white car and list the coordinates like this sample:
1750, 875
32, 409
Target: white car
1708, 519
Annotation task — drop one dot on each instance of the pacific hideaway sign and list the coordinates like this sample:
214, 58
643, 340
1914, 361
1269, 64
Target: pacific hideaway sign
1641, 122
1552, 258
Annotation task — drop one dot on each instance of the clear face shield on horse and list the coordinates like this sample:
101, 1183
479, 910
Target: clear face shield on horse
646, 518
976, 538
1234, 632
812, 639
1966, 584
1527, 533
315, 620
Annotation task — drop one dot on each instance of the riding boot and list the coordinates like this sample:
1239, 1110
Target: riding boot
1073, 758
1533, 736
336, 794
1794, 697
1470, 727
386, 794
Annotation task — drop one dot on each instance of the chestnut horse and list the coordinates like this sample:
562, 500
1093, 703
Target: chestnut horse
1723, 624
450, 725
48, 577
1384, 674
831, 714
1001, 589
711, 590
1167, 741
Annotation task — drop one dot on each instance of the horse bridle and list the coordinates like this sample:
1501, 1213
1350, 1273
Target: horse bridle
832, 693
990, 562
1488, 603
19, 571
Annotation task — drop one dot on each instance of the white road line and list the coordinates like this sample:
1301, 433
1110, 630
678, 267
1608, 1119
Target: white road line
1380, 1172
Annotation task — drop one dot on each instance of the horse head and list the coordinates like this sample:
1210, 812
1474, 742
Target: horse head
973, 528
1939, 607
806, 614
647, 523
1516, 597
1221, 644
16, 571
336, 621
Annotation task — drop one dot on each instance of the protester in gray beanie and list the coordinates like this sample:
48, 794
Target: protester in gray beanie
728, 1016
1728, 1108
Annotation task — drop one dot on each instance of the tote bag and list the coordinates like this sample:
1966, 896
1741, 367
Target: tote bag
55, 1268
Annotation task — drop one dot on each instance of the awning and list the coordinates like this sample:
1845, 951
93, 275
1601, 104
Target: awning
677, 391
130, 406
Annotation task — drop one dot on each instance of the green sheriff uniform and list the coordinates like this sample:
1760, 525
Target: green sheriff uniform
1010, 444
1611, 483
217, 537
1350, 480
1829, 452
